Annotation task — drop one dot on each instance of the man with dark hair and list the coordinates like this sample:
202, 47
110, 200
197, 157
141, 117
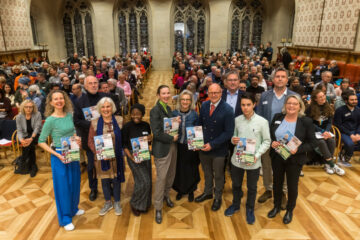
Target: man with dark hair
347, 119
42, 83
271, 102
254, 87
268, 52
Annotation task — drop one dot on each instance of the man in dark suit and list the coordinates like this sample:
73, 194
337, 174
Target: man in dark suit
88, 99
232, 94
217, 120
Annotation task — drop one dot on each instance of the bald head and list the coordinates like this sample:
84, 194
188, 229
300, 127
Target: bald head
91, 84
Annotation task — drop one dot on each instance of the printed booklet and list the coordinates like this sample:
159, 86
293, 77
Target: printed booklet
288, 143
70, 149
104, 147
195, 137
171, 126
140, 149
90, 113
245, 151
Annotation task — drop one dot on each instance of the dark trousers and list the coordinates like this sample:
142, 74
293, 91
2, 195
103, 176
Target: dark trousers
252, 177
292, 170
349, 145
93, 182
108, 189
213, 168
327, 147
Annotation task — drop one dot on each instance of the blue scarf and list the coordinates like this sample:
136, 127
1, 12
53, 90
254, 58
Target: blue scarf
105, 164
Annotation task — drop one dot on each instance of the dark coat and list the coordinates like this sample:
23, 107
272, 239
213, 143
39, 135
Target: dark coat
304, 131
217, 128
161, 140
238, 111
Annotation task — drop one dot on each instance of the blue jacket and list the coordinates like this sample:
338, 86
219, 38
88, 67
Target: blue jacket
264, 107
217, 128
347, 121
189, 119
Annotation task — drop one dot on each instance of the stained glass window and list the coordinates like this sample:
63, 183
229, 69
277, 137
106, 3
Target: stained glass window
133, 26
190, 36
246, 24
78, 29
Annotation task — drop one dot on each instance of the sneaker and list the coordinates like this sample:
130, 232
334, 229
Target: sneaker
69, 227
328, 169
344, 164
301, 173
80, 212
107, 207
231, 210
118, 209
250, 217
339, 171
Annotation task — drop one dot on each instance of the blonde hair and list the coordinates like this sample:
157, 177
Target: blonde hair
302, 105
26, 101
185, 92
50, 109
101, 103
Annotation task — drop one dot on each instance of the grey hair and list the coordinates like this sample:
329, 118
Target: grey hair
185, 92
112, 81
35, 88
101, 103
325, 72
82, 76
302, 105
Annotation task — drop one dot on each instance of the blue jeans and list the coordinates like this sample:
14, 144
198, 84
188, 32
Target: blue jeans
349, 145
107, 188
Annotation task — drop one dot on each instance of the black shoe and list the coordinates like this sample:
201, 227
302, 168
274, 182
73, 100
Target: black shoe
203, 197
216, 205
93, 195
191, 197
273, 212
34, 170
168, 201
135, 211
158, 216
288, 217
178, 196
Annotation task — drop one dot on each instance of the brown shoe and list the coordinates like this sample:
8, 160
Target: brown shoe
283, 202
135, 211
265, 196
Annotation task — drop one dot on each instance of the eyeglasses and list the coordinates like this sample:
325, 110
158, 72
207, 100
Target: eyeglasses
292, 104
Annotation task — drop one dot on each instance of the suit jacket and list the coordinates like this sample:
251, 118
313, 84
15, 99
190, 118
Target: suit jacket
304, 131
238, 111
217, 128
161, 140
36, 123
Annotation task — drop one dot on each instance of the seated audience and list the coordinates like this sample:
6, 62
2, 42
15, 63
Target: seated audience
5, 106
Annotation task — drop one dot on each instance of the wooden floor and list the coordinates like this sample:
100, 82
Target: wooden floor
328, 207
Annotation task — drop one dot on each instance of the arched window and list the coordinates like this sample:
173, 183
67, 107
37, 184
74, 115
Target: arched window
78, 29
133, 26
189, 26
246, 23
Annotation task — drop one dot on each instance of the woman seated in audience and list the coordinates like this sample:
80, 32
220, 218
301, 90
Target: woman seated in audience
122, 83
9, 93
35, 95
5, 106
187, 174
344, 85
110, 171
322, 88
293, 121
22, 91
141, 170
180, 79
307, 83
28, 125
250, 126
296, 87
66, 176
203, 89
322, 115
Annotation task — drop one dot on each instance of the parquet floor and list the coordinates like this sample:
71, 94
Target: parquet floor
328, 207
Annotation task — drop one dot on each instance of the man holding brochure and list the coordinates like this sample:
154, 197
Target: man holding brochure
217, 120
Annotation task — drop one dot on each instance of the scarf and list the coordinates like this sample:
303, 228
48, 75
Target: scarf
105, 164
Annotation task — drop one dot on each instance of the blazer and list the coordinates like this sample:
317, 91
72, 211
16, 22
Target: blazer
304, 131
36, 123
217, 128
264, 107
161, 140
238, 111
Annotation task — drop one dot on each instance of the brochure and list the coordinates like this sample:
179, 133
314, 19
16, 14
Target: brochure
70, 149
288, 143
104, 147
245, 151
171, 126
140, 149
90, 113
318, 135
195, 137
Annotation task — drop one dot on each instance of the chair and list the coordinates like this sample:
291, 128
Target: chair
8, 128
338, 145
